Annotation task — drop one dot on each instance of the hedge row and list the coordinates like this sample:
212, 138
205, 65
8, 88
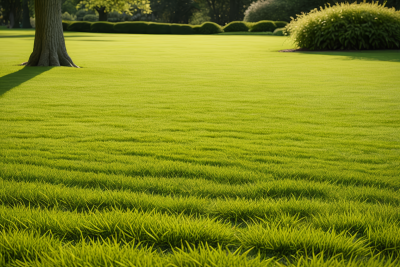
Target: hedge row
142, 27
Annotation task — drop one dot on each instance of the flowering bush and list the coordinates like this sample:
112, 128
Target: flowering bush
347, 26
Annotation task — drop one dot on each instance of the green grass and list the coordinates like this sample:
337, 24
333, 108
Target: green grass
198, 151
247, 33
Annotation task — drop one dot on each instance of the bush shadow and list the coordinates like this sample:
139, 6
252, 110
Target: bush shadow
369, 55
14, 79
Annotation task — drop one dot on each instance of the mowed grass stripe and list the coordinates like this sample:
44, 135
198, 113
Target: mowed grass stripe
168, 231
137, 166
197, 187
238, 210
32, 249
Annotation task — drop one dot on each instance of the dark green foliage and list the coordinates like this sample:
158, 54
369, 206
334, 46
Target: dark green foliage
181, 29
263, 26
159, 28
90, 17
281, 24
196, 29
66, 24
131, 27
209, 28
285, 9
102, 26
79, 26
347, 26
236, 26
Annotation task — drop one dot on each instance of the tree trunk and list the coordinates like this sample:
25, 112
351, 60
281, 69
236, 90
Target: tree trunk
233, 10
26, 20
102, 13
11, 18
49, 48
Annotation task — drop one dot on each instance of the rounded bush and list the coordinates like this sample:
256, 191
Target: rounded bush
268, 10
347, 26
236, 26
80, 26
263, 26
281, 24
102, 26
159, 28
131, 27
90, 17
280, 31
209, 28
181, 29
65, 25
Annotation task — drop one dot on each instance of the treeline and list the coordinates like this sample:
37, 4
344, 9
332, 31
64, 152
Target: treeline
17, 13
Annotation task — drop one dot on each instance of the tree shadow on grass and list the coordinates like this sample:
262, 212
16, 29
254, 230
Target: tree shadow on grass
370, 55
14, 79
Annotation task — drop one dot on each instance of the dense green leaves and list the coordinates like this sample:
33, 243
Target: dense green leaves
236, 26
347, 26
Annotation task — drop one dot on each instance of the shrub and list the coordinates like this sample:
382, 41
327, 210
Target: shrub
102, 26
181, 29
281, 24
65, 25
236, 26
263, 26
209, 28
82, 12
67, 16
280, 31
267, 10
79, 26
115, 17
131, 27
159, 28
33, 22
90, 17
347, 26
196, 29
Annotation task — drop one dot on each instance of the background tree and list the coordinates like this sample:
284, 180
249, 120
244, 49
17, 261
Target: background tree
12, 12
173, 11
285, 9
225, 11
26, 19
49, 47
103, 7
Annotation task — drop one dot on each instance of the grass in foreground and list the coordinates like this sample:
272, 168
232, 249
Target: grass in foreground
198, 151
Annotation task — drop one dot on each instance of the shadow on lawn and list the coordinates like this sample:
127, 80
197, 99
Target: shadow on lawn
377, 55
14, 79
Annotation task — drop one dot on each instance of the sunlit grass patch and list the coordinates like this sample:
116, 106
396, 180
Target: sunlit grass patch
198, 151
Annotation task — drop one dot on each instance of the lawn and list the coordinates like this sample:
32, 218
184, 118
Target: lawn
200, 150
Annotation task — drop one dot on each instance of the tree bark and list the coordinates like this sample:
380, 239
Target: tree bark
49, 47
102, 13
26, 20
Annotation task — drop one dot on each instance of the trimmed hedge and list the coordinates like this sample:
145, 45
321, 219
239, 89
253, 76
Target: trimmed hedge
263, 26
131, 27
281, 24
80, 26
236, 26
209, 28
181, 29
159, 28
102, 26
142, 27
65, 25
